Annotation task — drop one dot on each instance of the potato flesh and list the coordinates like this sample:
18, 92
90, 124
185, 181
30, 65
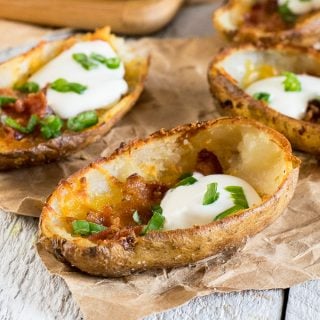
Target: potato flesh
243, 151
235, 65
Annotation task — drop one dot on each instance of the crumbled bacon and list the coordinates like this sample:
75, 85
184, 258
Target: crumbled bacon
313, 112
264, 14
208, 163
140, 196
33, 103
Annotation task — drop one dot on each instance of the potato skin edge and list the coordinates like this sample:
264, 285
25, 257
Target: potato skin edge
179, 247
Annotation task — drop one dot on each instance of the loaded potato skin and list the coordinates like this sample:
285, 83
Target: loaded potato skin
160, 160
228, 87
267, 22
20, 147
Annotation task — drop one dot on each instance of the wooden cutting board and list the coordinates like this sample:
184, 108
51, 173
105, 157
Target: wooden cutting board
124, 16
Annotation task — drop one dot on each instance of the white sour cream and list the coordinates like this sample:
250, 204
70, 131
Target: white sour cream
182, 206
104, 86
290, 103
301, 7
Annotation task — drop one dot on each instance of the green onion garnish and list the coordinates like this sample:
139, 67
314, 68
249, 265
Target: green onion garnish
262, 96
286, 14
51, 127
186, 181
12, 123
111, 63
28, 87
62, 85
238, 196
156, 222
84, 61
291, 82
136, 217
6, 100
82, 121
228, 212
86, 228
211, 194
239, 200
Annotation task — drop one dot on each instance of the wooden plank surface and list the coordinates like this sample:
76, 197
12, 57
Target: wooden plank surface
27, 291
123, 16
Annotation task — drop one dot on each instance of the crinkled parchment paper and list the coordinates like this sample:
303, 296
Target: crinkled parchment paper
286, 253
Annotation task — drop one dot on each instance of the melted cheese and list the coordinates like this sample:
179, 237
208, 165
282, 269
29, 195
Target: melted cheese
290, 103
104, 86
299, 7
182, 206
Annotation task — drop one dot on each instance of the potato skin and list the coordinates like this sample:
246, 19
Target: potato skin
166, 249
30, 151
305, 33
234, 101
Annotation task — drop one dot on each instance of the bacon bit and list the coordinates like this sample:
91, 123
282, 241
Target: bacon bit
208, 163
33, 103
12, 134
313, 112
103, 218
265, 15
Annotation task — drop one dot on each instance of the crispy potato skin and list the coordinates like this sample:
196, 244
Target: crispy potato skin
166, 249
304, 33
31, 151
233, 101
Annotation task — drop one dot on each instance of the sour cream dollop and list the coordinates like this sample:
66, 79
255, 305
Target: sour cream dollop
290, 103
300, 7
182, 206
105, 86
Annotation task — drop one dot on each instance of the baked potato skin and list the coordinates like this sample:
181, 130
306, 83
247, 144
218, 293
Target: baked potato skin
233, 101
33, 151
166, 249
304, 33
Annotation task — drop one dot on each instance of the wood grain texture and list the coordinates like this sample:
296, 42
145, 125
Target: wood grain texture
27, 291
130, 17
303, 302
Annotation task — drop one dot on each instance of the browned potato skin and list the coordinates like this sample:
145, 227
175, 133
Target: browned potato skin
31, 151
304, 33
166, 249
234, 101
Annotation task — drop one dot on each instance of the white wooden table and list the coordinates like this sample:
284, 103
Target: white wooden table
27, 291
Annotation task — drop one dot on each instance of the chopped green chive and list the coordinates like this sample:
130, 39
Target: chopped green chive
86, 228
111, 63
286, 14
156, 222
62, 85
84, 61
6, 100
228, 212
238, 196
185, 175
28, 87
136, 217
12, 123
262, 96
211, 194
239, 200
291, 82
82, 121
51, 127
186, 181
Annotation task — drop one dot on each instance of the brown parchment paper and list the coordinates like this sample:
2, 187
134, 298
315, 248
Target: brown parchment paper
284, 254
176, 92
